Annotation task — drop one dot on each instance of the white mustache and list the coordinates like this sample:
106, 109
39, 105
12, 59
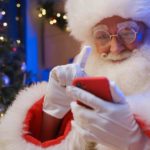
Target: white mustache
115, 57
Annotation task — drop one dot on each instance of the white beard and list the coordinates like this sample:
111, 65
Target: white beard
131, 75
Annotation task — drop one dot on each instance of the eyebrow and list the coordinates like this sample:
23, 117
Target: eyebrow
100, 27
132, 24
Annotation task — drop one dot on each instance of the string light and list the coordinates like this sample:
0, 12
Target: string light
1, 115
40, 15
51, 22
5, 24
54, 21
1, 38
6, 80
3, 13
58, 14
18, 5
17, 18
54, 18
67, 29
43, 11
65, 17
18, 41
23, 66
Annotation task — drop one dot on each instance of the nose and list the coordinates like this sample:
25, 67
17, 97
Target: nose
115, 46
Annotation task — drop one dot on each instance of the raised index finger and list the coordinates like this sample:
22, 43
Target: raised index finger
83, 56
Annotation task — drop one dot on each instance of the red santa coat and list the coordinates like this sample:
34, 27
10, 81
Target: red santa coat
20, 127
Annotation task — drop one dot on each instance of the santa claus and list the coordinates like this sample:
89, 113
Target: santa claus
47, 116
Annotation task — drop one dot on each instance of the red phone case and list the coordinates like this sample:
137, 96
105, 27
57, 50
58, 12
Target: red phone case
99, 86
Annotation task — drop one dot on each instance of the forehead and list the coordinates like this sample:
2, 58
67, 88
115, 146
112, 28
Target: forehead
112, 22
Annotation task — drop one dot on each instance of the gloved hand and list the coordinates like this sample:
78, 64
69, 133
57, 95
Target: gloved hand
111, 124
56, 102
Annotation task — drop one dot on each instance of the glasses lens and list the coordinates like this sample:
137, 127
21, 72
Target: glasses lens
103, 37
127, 35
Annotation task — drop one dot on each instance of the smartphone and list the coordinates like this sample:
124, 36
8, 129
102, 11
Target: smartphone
99, 86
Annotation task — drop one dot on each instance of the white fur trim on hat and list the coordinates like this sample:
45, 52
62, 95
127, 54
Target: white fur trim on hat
84, 14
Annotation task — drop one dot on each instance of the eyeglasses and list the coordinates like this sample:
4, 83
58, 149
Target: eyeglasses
125, 36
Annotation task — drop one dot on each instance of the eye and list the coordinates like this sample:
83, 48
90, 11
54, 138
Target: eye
127, 35
102, 35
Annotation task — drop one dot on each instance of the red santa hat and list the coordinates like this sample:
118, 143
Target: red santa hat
84, 14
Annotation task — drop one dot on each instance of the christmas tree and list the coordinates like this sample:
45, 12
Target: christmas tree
13, 73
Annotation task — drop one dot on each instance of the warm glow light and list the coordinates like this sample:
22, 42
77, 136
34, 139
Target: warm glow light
2, 114
43, 11
51, 22
58, 14
54, 21
40, 15
67, 29
65, 17
5, 24
18, 5
1, 38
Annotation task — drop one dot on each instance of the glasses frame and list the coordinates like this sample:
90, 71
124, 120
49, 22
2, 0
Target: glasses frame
117, 35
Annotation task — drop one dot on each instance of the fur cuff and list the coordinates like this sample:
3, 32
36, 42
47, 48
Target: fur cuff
11, 126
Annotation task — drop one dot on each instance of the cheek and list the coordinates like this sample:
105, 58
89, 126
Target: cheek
131, 47
100, 49
135, 45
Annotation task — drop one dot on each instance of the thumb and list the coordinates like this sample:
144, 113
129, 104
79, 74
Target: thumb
117, 94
